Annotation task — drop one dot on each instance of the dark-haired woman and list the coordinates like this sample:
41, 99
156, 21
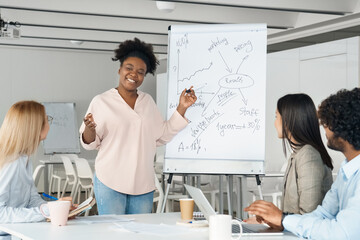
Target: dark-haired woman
308, 174
125, 126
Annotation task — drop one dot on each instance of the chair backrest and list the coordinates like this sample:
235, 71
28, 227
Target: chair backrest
159, 198
37, 173
69, 169
83, 168
71, 156
158, 167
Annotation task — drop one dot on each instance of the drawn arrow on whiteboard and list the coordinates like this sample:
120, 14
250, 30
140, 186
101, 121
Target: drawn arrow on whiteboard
243, 98
246, 57
200, 91
227, 67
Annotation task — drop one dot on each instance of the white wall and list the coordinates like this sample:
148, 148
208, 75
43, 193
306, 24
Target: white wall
58, 76
318, 70
77, 76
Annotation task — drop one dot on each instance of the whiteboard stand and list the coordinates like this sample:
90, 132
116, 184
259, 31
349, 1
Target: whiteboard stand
169, 181
230, 194
258, 183
167, 191
221, 194
229, 179
240, 199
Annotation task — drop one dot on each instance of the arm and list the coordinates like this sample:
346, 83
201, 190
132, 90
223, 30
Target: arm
187, 98
19, 215
325, 223
310, 176
35, 198
271, 215
177, 121
266, 212
89, 133
89, 138
16, 208
169, 128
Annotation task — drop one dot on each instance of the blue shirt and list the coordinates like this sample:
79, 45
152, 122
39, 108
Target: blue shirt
19, 199
339, 215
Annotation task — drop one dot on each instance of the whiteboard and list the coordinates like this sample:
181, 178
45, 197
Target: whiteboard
63, 136
226, 64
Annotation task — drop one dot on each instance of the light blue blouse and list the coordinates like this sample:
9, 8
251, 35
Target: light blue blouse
339, 215
19, 199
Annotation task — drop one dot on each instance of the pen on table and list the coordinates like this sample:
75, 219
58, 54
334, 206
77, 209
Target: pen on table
48, 196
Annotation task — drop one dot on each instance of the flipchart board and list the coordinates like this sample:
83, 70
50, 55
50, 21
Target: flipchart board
63, 136
226, 65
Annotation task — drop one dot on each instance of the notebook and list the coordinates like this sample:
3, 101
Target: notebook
86, 205
207, 210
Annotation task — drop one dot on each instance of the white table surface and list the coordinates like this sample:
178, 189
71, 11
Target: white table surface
83, 231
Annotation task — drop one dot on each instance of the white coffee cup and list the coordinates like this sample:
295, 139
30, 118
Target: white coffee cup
59, 212
220, 227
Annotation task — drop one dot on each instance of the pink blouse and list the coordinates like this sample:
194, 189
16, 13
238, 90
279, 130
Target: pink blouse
126, 139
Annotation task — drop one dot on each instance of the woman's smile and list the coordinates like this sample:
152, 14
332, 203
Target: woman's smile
130, 80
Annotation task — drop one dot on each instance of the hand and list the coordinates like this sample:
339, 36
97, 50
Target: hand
252, 220
89, 122
187, 98
72, 206
89, 133
65, 199
259, 219
270, 214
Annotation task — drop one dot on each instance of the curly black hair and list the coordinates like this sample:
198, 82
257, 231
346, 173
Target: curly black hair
341, 114
137, 48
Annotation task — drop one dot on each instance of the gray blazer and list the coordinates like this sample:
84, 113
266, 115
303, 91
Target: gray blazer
306, 181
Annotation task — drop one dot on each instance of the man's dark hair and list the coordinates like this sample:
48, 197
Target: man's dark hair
139, 49
341, 114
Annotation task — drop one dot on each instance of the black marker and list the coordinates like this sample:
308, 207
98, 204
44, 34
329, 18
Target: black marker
188, 91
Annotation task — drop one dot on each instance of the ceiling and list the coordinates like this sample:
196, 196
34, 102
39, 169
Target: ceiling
101, 25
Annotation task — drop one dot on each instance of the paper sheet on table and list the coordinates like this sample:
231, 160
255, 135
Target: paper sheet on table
155, 229
102, 219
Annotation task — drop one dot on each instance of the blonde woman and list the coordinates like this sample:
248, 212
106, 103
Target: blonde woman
24, 126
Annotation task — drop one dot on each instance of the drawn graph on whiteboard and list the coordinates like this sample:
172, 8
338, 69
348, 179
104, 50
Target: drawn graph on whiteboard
227, 72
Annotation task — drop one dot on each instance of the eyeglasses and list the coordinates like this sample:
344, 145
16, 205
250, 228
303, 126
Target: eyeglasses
50, 119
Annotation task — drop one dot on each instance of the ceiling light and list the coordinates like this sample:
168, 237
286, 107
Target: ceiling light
165, 6
76, 42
